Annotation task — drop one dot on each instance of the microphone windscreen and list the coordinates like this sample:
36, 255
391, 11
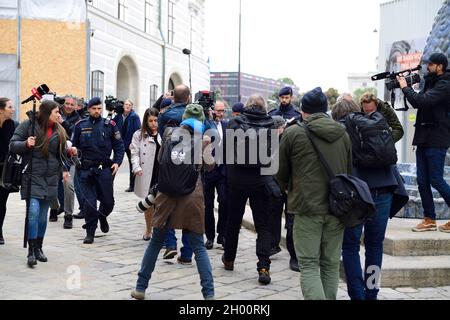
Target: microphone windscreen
43, 89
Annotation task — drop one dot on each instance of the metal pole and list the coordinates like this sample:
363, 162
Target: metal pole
239, 63
19, 61
190, 76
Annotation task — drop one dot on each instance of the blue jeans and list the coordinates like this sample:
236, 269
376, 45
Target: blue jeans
171, 243
37, 218
201, 257
430, 173
374, 232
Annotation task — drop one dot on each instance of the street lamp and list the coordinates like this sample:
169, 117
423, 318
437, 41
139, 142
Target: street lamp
239, 63
188, 53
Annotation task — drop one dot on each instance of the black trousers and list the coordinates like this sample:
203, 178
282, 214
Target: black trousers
277, 205
219, 183
259, 203
132, 177
3, 199
289, 235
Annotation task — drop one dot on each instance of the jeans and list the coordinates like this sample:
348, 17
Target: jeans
201, 257
170, 242
259, 203
366, 287
78, 190
37, 218
430, 173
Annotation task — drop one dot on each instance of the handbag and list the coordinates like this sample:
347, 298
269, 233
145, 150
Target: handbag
12, 172
350, 199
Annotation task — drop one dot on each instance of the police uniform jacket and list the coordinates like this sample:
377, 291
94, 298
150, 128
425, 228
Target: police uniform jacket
97, 139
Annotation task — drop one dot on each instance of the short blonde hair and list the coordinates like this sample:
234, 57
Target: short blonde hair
130, 101
368, 97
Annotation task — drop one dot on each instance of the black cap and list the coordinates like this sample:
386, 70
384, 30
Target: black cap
439, 58
286, 91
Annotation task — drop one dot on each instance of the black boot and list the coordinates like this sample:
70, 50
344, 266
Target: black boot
31, 253
53, 215
38, 253
68, 218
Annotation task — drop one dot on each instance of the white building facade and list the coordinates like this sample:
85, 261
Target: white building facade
136, 48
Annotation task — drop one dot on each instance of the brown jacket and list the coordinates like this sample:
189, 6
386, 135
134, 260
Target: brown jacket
186, 212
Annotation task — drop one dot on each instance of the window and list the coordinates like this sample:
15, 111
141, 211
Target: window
122, 9
170, 24
97, 84
148, 16
153, 94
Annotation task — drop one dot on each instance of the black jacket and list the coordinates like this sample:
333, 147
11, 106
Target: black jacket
244, 177
433, 104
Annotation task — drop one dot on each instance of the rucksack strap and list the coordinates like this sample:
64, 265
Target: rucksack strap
330, 174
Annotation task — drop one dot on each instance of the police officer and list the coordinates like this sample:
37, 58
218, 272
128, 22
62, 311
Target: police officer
286, 109
96, 137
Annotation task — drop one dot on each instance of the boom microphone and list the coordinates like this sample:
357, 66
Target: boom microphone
37, 93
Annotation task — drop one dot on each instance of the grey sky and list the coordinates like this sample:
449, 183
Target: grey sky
316, 43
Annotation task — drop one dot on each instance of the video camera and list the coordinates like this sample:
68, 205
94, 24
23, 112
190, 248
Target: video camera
411, 76
206, 99
114, 105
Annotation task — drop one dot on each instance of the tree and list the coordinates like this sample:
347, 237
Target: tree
357, 94
332, 95
287, 81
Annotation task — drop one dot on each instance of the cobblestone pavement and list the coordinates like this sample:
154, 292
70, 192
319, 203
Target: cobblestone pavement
107, 270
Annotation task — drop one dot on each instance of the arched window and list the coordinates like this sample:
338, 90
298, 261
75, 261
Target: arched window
97, 84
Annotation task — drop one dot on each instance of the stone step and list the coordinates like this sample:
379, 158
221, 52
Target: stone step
411, 168
401, 241
410, 179
414, 209
415, 272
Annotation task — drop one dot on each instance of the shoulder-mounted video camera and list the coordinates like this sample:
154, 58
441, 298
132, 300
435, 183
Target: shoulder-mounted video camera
206, 99
411, 76
114, 105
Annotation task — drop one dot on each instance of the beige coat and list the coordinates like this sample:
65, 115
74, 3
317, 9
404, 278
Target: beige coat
143, 157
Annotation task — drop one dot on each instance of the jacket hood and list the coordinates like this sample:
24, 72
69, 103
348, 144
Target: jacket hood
324, 127
254, 115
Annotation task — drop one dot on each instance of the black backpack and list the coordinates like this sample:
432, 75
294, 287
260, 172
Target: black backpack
178, 173
349, 197
372, 141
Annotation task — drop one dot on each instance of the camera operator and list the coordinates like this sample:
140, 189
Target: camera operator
432, 136
97, 138
128, 123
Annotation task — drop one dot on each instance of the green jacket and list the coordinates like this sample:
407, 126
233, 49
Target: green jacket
301, 172
391, 117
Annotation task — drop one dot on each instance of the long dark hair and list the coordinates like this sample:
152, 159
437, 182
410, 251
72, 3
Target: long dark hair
42, 118
3, 102
151, 112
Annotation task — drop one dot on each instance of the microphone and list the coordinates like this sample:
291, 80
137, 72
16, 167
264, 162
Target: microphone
380, 76
37, 93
